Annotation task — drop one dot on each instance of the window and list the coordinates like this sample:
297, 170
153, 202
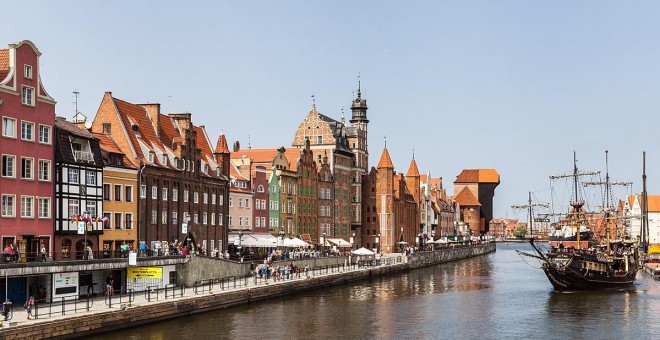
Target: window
8, 127
44, 134
107, 218
195, 197
129, 221
205, 218
143, 191
129, 193
263, 221
247, 221
320, 140
27, 95
27, 131
205, 198
196, 218
260, 188
27, 72
220, 219
8, 208
247, 203
240, 202
8, 165
91, 208
230, 221
163, 217
185, 196
277, 222
44, 207
90, 177
154, 192
175, 194
26, 168
221, 198
175, 216
212, 198
117, 220
73, 175
154, 216
240, 221
44, 170
27, 206
212, 218
107, 128
257, 222
231, 204
74, 208
164, 195
117, 192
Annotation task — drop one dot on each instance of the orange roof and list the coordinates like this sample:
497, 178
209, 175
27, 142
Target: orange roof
465, 197
478, 176
138, 115
203, 142
221, 145
168, 132
654, 203
107, 143
4, 63
423, 178
412, 170
233, 171
257, 155
385, 160
293, 155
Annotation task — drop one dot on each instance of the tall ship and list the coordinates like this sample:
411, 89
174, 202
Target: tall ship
585, 265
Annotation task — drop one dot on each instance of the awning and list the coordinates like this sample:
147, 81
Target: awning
254, 240
339, 242
295, 242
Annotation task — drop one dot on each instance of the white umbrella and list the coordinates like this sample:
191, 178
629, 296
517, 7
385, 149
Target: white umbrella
363, 251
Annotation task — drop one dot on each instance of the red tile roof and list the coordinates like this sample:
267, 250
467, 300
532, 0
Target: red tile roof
478, 176
221, 145
108, 144
465, 198
257, 155
4, 63
412, 170
385, 160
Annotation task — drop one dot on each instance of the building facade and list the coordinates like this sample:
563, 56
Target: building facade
474, 190
26, 147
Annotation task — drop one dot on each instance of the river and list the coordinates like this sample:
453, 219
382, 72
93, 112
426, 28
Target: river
498, 296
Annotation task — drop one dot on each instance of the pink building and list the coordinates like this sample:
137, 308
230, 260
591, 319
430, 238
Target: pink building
27, 120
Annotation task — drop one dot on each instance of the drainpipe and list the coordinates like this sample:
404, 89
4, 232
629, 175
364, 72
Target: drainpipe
142, 166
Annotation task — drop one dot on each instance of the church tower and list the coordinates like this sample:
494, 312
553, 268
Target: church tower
360, 122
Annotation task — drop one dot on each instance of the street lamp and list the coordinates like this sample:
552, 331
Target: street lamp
378, 243
240, 235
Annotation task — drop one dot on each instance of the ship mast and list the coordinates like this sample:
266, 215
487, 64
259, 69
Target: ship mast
645, 208
530, 206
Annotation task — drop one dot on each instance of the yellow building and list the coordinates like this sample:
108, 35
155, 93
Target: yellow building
120, 188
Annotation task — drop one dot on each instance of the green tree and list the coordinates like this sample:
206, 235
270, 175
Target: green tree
521, 231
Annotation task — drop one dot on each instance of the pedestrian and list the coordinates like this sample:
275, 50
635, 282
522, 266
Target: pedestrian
4, 309
28, 307
108, 285
44, 255
15, 252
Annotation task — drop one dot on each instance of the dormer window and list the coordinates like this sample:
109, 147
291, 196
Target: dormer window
163, 159
27, 72
150, 156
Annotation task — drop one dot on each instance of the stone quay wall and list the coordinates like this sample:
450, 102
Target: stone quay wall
86, 324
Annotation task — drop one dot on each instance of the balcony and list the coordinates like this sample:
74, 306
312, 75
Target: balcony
83, 156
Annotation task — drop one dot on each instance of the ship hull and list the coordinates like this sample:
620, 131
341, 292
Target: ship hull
569, 279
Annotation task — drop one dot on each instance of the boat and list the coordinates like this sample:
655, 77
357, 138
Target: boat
613, 265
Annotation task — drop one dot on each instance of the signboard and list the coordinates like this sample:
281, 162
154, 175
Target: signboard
65, 284
132, 258
145, 272
81, 228
184, 228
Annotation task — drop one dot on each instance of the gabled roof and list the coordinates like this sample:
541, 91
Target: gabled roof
465, 198
257, 155
4, 63
478, 176
654, 202
132, 114
385, 160
221, 146
62, 124
107, 144
412, 170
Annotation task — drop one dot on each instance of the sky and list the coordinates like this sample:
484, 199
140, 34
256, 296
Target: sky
517, 86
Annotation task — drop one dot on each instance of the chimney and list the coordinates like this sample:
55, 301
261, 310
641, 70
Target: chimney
153, 112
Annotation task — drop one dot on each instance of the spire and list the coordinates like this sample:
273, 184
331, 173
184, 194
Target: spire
359, 106
313, 103
343, 120
221, 146
412, 170
385, 160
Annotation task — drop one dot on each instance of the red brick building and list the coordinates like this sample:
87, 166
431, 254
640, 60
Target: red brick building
474, 190
27, 116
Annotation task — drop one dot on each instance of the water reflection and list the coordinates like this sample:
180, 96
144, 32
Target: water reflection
495, 297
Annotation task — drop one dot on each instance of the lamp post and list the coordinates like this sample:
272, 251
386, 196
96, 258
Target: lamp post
378, 243
240, 235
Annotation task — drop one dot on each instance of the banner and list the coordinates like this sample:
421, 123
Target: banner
145, 273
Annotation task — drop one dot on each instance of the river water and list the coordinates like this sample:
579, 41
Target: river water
498, 296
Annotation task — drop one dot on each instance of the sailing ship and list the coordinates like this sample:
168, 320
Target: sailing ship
611, 265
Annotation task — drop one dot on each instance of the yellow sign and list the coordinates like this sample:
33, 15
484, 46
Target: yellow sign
145, 272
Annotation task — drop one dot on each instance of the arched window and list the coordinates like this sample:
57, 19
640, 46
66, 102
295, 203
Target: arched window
260, 188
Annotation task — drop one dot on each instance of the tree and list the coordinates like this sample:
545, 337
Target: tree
521, 231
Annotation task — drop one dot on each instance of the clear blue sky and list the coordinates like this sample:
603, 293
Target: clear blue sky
511, 85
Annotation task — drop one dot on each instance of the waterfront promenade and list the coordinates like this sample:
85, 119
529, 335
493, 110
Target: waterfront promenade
100, 315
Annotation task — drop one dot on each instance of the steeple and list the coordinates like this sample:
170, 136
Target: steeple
359, 107
385, 160
412, 170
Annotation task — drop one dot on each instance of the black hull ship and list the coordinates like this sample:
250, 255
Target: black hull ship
580, 265
570, 269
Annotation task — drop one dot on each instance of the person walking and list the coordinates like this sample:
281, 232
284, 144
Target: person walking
28, 307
